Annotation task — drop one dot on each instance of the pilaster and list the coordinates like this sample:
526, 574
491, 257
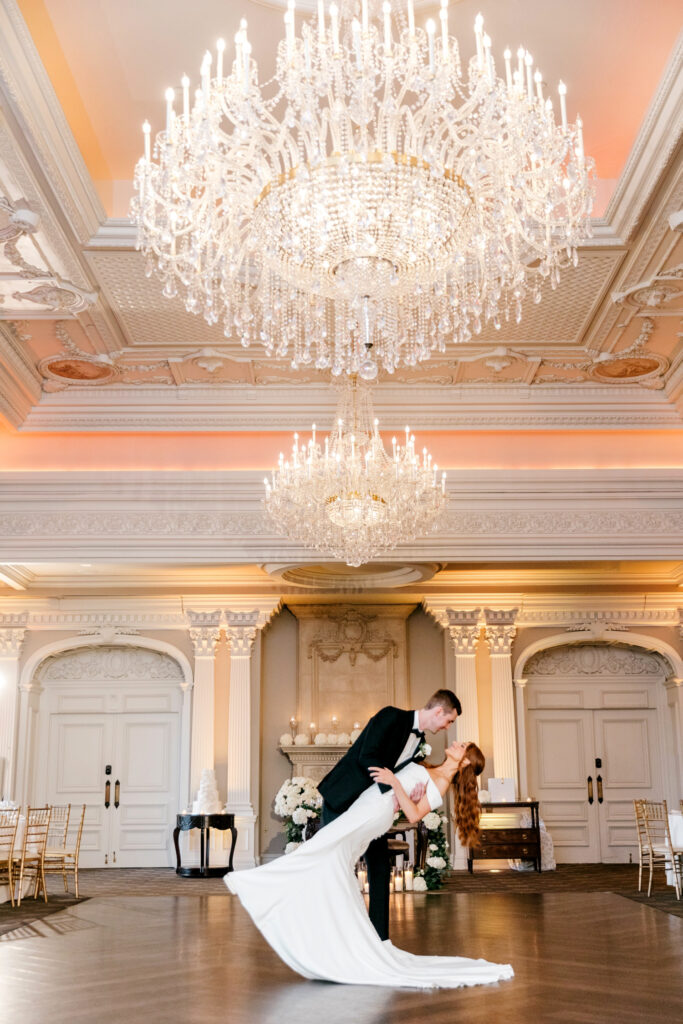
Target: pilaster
241, 630
500, 632
204, 634
12, 633
463, 630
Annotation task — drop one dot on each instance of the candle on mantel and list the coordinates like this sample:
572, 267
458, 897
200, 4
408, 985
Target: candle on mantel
408, 879
356, 725
292, 726
311, 727
335, 722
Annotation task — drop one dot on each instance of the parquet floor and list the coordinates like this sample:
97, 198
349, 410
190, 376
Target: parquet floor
579, 958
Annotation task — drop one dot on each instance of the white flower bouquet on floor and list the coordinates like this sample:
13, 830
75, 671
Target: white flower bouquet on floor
437, 862
297, 801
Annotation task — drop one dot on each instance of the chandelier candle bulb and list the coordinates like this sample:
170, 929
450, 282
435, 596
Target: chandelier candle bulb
479, 36
579, 142
364, 17
146, 129
321, 21
489, 59
538, 79
334, 22
170, 96
529, 62
220, 50
507, 57
355, 31
386, 11
411, 19
562, 89
431, 29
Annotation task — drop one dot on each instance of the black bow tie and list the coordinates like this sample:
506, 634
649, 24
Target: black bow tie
418, 733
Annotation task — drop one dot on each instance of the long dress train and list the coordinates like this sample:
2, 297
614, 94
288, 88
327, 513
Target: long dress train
308, 906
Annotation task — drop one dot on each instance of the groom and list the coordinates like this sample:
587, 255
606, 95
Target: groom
391, 739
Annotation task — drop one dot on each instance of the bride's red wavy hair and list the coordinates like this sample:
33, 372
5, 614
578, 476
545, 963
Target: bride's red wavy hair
466, 806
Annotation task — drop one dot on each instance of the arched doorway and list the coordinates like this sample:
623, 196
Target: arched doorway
107, 725
594, 737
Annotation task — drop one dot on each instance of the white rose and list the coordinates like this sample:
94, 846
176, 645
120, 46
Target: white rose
286, 739
299, 817
321, 739
419, 884
438, 863
291, 847
427, 747
433, 846
301, 740
432, 821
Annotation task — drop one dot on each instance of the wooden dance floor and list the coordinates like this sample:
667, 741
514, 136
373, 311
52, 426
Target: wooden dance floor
579, 958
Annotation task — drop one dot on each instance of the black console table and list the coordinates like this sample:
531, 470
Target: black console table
503, 843
205, 822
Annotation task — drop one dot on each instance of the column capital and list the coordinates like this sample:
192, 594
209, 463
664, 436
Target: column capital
241, 626
11, 642
673, 683
464, 638
520, 683
500, 629
205, 630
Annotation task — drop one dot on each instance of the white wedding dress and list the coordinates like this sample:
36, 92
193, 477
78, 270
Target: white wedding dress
309, 908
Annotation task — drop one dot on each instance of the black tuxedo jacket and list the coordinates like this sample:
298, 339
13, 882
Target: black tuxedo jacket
380, 743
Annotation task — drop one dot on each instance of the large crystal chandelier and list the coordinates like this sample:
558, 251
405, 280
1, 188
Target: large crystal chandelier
375, 200
348, 498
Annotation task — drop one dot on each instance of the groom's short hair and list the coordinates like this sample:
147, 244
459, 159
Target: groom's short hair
445, 699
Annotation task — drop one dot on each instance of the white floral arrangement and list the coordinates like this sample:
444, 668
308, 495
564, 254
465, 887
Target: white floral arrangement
437, 861
286, 739
321, 739
343, 739
355, 733
301, 739
297, 801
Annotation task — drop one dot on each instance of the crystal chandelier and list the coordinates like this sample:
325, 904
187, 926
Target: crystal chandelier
375, 200
349, 498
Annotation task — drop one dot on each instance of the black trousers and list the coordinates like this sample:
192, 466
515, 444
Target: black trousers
379, 875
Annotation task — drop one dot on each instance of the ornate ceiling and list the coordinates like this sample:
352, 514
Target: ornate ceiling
88, 343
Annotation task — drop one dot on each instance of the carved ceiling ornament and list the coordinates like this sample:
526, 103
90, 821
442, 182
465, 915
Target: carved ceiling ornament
101, 663
353, 632
595, 660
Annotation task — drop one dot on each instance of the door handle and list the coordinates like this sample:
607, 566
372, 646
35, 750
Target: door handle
117, 793
599, 782
107, 793
590, 789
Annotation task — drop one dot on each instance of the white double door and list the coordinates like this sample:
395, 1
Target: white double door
587, 767
124, 767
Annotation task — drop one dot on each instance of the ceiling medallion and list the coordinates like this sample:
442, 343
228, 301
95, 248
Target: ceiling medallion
349, 498
373, 201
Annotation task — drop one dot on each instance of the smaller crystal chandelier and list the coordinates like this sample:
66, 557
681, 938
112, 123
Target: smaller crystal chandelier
349, 498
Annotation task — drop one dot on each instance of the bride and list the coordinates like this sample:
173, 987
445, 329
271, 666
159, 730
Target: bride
308, 906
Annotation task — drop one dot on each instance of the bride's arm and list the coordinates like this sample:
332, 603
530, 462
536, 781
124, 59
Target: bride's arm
413, 811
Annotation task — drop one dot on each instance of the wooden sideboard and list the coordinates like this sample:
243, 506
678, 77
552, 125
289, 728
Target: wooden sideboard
502, 842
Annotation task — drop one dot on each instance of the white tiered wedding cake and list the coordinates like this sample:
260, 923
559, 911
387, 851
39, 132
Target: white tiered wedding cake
207, 801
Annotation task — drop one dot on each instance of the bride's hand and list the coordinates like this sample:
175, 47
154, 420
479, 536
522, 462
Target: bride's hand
382, 775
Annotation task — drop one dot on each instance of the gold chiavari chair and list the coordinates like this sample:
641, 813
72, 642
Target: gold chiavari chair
662, 850
55, 848
72, 849
9, 823
32, 859
643, 845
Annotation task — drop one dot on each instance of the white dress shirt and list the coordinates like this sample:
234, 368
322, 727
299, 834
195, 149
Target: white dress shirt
412, 743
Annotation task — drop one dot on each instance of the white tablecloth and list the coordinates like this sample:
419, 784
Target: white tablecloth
676, 829
18, 843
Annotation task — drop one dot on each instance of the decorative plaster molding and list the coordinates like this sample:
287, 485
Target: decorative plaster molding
351, 631
11, 642
205, 629
500, 630
288, 407
464, 629
594, 660
241, 629
90, 664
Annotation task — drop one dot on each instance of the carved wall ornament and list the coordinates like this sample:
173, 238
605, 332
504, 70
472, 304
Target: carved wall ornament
352, 632
100, 663
204, 639
11, 642
595, 660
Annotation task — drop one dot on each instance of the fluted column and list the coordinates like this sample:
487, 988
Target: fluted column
674, 698
520, 705
204, 633
11, 642
500, 632
463, 629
